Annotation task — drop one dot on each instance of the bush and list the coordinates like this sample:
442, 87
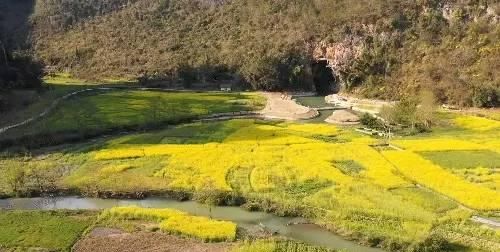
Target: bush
486, 97
21, 71
417, 114
430, 244
371, 121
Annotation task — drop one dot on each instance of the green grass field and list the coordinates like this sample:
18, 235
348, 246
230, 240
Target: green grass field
98, 112
124, 108
52, 231
464, 159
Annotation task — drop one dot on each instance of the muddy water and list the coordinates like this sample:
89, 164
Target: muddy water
310, 234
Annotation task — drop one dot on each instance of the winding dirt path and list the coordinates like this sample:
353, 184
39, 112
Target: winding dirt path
49, 109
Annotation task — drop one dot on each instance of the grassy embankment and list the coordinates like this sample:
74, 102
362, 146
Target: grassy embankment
25, 104
387, 198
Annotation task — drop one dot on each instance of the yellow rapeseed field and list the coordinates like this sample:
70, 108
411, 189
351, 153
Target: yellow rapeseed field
477, 123
200, 227
432, 176
176, 222
139, 213
273, 156
278, 155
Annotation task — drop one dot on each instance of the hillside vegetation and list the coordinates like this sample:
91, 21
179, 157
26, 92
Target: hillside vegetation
17, 67
376, 48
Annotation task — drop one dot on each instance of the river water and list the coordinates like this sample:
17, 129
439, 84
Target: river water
307, 233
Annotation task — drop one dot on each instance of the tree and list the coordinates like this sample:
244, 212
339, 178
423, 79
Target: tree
426, 111
4, 53
15, 175
209, 196
417, 113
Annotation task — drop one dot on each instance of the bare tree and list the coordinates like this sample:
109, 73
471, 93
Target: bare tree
4, 53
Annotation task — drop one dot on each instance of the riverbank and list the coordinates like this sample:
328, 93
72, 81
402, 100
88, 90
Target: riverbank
253, 224
91, 230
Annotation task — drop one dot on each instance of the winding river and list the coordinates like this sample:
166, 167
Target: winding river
307, 233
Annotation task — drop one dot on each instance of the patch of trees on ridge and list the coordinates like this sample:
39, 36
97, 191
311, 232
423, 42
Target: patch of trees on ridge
449, 47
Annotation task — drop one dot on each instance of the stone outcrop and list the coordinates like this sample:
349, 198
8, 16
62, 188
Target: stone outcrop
344, 117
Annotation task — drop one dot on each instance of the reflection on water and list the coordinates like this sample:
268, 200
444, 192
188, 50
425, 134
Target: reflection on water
311, 234
312, 101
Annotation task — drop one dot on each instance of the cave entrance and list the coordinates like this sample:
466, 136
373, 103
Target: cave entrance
325, 82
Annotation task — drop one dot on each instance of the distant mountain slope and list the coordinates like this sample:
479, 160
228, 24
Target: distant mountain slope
377, 48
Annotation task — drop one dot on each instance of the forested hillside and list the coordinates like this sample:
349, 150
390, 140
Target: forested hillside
18, 69
376, 48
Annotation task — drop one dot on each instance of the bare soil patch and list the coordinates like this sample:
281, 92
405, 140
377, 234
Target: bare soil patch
343, 117
279, 107
104, 232
112, 240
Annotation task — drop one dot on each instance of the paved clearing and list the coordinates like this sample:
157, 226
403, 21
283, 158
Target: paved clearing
109, 240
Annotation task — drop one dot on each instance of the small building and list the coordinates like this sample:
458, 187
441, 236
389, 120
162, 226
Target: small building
226, 87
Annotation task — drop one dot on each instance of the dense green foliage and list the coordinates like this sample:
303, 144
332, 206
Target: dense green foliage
51, 231
17, 67
376, 48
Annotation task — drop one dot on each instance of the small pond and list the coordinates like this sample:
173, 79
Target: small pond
312, 101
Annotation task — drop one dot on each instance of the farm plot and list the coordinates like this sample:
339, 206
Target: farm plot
332, 174
51, 231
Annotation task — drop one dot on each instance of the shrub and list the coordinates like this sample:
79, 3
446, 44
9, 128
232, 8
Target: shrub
432, 243
371, 121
